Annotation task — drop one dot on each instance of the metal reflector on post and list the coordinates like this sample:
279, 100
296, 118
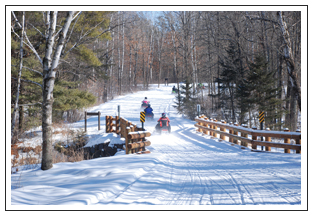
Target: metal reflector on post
261, 120
142, 119
261, 116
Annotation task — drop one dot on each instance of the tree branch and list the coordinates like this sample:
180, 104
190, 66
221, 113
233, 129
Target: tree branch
28, 104
29, 81
29, 45
38, 72
36, 29
262, 19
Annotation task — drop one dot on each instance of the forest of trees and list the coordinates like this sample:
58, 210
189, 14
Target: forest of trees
248, 61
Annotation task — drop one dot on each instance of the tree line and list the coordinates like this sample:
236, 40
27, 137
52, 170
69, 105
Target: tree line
62, 62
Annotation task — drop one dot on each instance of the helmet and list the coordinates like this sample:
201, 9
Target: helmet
148, 105
163, 115
145, 98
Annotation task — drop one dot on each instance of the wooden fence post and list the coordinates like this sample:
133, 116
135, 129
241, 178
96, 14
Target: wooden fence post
286, 140
122, 128
128, 141
245, 135
108, 124
117, 125
254, 146
231, 132
199, 129
223, 130
133, 140
268, 139
243, 143
216, 128
210, 126
298, 141
206, 125
236, 134
106, 121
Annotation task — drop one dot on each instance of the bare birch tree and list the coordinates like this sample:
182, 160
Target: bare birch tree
18, 79
50, 63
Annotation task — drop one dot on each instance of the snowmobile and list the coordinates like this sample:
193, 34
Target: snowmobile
149, 116
163, 126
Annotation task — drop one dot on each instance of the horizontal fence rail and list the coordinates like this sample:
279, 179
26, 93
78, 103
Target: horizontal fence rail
213, 128
135, 137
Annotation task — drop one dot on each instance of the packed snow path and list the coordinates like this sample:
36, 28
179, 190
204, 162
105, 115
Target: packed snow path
183, 168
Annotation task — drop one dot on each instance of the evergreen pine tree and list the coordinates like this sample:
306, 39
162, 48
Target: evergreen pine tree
186, 103
232, 91
264, 94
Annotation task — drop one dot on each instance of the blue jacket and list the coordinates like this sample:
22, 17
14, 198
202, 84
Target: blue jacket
148, 110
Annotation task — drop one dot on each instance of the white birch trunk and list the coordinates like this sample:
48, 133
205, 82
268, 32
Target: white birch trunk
175, 57
119, 63
130, 62
18, 79
152, 57
123, 50
49, 70
148, 59
112, 67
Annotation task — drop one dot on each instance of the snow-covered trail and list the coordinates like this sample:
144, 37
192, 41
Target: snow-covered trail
193, 170
183, 168
198, 171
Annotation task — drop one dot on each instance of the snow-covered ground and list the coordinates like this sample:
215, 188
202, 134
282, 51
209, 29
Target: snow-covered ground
184, 168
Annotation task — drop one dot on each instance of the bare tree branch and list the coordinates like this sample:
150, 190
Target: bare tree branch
38, 72
36, 29
28, 104
263, 19
29, 81
29, 43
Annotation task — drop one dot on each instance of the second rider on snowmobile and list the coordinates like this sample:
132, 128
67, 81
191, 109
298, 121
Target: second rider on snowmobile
149, 112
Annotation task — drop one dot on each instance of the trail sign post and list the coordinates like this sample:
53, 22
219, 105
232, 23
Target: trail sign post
261, 120
198, 109
92, 114
142, 118
118, 120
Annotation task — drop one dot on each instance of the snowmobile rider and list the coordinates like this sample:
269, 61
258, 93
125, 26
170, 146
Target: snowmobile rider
162, 119
145, 101
200, 86
174, 89
148, 109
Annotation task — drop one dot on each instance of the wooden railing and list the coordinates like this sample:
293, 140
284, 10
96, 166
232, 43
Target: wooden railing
213, 128
135, 140
112, 124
